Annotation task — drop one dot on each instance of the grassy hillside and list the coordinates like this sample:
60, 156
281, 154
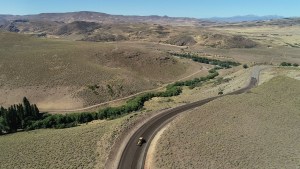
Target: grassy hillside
86, 146
258, 129
50, 72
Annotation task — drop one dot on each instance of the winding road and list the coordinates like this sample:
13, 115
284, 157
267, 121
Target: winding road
133, 156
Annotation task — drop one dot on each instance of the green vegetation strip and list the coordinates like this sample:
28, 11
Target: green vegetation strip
196, 58
27, 117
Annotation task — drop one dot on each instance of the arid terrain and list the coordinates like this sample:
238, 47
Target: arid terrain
60, 74
258, 129
64, 62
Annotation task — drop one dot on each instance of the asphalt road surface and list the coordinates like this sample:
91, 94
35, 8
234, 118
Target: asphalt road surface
133, 156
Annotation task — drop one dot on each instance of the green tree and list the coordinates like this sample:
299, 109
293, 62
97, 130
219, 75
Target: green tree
27, 107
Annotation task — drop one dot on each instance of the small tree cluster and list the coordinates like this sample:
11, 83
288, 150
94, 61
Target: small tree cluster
18, 116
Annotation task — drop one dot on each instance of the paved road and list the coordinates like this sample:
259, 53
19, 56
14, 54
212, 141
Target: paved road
133, 156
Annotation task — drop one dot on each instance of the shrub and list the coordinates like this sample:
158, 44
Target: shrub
245, 66
285, 64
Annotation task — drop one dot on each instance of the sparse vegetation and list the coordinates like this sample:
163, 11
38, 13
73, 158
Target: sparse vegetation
221, 80
53, 72
182, 40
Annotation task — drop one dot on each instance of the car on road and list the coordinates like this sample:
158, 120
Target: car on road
141, 141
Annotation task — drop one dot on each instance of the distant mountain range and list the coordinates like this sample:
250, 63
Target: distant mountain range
104, 18
107, 18
245, 18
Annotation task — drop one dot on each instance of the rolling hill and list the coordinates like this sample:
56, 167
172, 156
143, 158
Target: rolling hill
66, 74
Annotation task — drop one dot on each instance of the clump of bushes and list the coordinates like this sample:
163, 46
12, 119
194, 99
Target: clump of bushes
289, 64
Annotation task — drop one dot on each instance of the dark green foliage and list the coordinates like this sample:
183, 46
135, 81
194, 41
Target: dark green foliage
18, 116
289, 64
285, 64
245, 66
222, 64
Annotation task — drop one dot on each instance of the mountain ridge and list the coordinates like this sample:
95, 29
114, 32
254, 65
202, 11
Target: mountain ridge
101, 17
245, 18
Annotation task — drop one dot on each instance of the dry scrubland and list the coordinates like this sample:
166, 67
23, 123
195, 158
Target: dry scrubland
86, 146
259, 129
276, 43
51, 72
229, 81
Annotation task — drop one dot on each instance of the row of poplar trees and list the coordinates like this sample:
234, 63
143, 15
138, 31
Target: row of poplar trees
18, 117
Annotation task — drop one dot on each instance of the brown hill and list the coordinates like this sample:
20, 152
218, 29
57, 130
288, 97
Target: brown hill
78, 27
182, 40
51, 72
227, 41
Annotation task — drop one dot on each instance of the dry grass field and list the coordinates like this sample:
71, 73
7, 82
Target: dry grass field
86, 146
276, 43
258, 129
61, 74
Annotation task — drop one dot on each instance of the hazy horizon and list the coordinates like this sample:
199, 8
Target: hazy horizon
175, 8
152, 15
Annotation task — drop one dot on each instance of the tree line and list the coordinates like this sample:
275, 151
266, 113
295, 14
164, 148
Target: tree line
223, 64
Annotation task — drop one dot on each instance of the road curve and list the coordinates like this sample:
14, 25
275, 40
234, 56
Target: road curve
133, 156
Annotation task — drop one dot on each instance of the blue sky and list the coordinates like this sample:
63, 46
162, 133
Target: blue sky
183, 8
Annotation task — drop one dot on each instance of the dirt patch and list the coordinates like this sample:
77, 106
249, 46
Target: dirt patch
45, 98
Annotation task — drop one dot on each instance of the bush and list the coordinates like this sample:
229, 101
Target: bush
295, 64
285, 64
245, 66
